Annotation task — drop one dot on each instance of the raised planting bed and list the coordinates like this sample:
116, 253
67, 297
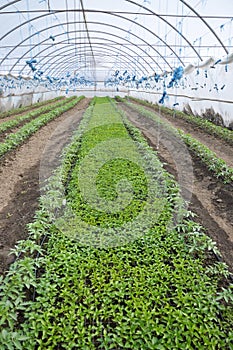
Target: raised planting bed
215, 164
112, 264
212, 129
33, 114
13, 140
20, 110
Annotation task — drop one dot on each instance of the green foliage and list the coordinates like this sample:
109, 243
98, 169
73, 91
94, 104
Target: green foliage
19, 110
216, 165
212, 129
119, 99
152, 292
13, 140
101, 100
111, 172
17, 120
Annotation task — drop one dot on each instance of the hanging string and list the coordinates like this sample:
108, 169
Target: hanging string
67, 22
230, 33
165, 38
181, 28
116, 63
47, 18
38, 40
218, 27
178, 73
176, 34
20, 22
29, 29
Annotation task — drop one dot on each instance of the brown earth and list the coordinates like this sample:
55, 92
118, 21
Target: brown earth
4, 134
32, 109
222, 149
20, 175
206, 196
22, 171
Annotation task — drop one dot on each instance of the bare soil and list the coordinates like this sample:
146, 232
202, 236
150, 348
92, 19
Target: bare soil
20, 173
6, 119
4, 134
222, 149
207, 197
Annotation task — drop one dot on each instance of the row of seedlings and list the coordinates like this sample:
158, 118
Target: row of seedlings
204, 124
209, 158
20, 110
5, 126
13, 140
114, 272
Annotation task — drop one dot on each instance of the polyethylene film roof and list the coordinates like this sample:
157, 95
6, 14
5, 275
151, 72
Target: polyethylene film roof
95, 39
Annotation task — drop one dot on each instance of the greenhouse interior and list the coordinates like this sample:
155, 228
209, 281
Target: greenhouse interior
116, 174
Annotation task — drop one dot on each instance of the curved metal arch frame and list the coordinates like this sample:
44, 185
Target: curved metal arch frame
99, 23
125, 57
142, 68
64, 70
112, 35
9, 4
112, 26
64, 67
72, 63
109, 13
147, 9
207, 24
196, 13
105, 39
130, 65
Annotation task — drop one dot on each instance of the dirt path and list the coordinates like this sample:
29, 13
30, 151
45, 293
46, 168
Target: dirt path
19, 177
4, 134
222, 149
6, 119
210, 199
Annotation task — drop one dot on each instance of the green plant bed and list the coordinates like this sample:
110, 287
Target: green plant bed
13, 140
148, 289
212, 129
19, 110
17, 120
215, 164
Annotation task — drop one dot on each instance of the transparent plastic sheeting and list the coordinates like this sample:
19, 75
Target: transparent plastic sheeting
143, 45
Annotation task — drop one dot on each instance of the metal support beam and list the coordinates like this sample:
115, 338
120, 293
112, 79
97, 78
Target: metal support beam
88, 35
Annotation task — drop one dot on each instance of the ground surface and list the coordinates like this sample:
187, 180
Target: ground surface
222, 149
208, 197
4, 134
22, 171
